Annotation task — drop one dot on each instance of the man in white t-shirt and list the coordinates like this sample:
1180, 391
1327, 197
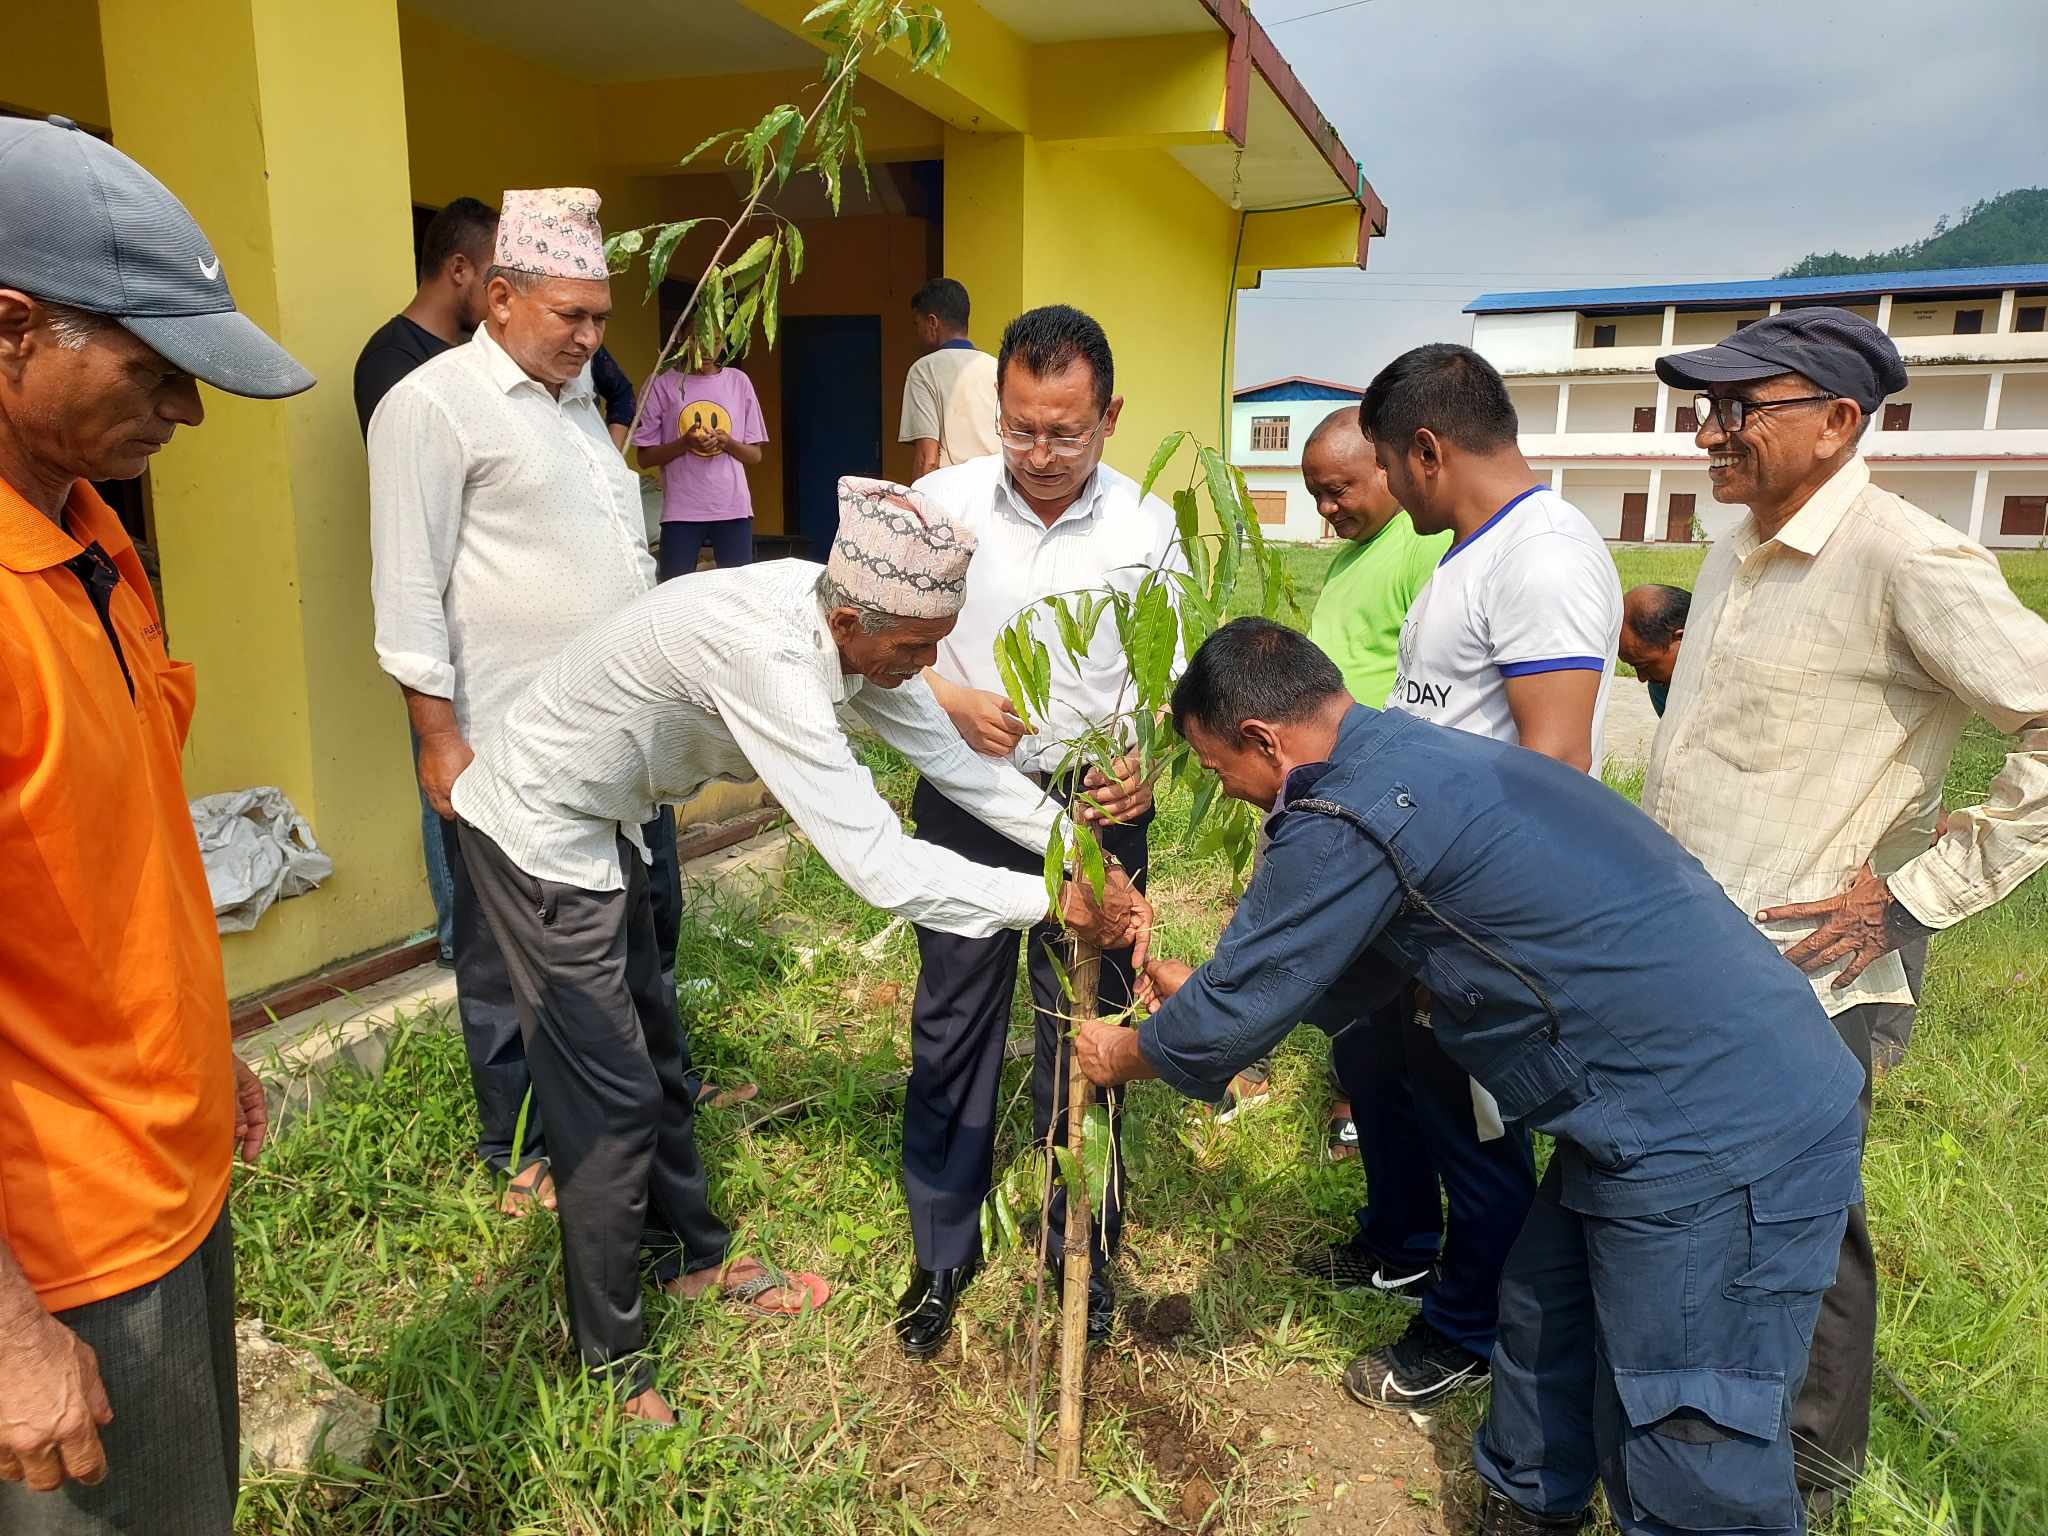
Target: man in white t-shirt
949, 395
1513, 638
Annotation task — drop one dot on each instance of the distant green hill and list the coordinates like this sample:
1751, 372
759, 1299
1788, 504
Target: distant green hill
2000, 232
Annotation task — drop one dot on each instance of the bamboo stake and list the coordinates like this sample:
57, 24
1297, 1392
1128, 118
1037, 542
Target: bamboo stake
1086, 970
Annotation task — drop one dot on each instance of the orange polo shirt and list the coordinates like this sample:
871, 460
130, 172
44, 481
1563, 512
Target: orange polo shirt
116, 1086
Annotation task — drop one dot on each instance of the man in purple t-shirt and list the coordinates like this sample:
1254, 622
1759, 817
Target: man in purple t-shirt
702, 428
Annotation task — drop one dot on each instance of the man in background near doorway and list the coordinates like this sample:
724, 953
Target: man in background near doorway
1652, 624
1514, 639
614, 395
445, 311
1841, 639
949, 395
121, 1103
702, 429
1371, 583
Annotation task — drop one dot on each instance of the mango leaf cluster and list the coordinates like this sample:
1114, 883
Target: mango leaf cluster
1219, 567
736, 296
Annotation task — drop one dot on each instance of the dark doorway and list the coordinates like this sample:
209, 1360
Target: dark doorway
1635, 510
1678, 522
831, 417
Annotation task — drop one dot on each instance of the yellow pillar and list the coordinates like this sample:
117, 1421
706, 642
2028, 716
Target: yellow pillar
297, 172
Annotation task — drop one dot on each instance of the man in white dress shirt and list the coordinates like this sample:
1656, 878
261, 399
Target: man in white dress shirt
502, 524
730, 675
1049, 517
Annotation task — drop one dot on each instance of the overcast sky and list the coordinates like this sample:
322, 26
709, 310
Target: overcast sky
1558, 143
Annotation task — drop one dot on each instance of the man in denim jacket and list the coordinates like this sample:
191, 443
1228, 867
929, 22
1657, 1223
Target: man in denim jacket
1657, 1309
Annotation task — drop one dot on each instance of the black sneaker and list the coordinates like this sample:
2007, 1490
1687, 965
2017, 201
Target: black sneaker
1417, 1369
1349, 1267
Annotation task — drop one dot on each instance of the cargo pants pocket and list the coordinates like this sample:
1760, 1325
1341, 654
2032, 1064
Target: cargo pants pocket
1705, 1450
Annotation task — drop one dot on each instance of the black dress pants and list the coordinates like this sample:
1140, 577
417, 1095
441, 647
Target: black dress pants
605, 1051
483, 994
960, 1022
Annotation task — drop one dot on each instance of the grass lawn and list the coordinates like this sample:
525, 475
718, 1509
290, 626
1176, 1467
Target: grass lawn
367, 1235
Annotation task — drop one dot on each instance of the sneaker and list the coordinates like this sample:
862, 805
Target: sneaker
1417, 1369
1349, 1267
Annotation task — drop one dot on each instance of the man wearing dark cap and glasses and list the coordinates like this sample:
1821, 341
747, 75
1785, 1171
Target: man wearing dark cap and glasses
120, 1101
1839, 639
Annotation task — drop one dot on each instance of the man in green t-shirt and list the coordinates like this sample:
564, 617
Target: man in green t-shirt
1383, 564
1357, 622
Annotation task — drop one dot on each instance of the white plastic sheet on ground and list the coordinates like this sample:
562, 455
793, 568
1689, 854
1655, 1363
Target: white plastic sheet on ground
258, 849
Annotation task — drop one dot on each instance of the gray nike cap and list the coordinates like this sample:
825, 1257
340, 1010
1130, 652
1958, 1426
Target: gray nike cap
84, 225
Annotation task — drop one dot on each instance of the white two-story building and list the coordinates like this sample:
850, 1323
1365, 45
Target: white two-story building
1966, 440
1268, 424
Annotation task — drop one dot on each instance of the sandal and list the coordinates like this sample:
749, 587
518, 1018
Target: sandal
712, 1097
748, 1292
530, 1186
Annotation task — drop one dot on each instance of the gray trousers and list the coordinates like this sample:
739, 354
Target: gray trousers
167, 1359
606, 1053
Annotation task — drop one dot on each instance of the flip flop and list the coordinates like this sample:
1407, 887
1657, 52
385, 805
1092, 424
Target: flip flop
710, 1097
521, 1198
747, 1293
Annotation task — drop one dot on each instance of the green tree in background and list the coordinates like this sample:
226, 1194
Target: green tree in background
2001, 231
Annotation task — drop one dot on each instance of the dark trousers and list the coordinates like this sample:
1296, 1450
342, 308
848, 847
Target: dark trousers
1658, 1354
1831, 1420
1413, 1108
731, 540
605, 1051
167, 1359
1891, 1024
959, 1023
483, 994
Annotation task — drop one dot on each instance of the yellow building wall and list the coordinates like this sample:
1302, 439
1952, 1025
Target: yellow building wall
261, 512
50, 61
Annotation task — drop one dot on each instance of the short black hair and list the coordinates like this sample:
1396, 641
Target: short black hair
1663, 614
465, 227
1447, 388
945, 300
1253, 669
1047, 341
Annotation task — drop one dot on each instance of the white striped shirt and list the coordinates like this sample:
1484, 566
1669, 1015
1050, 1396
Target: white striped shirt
1107, 538
731, 675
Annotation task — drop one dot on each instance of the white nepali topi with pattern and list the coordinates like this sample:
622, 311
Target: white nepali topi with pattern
897, 553
551, 232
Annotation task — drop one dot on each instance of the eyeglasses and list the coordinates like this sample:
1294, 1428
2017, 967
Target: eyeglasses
1020, 441
1732, 412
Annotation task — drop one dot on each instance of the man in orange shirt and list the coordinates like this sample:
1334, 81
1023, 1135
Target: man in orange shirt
120, 1100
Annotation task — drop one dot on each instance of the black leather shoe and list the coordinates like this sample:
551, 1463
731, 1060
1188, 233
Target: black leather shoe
924, 1317
1101, 1296
1500, 1515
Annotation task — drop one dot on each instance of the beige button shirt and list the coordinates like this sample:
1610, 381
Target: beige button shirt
1825, 678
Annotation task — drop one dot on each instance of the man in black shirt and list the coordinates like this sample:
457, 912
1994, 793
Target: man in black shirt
454, 255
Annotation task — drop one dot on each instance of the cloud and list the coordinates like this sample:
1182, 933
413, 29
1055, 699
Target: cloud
1598, 142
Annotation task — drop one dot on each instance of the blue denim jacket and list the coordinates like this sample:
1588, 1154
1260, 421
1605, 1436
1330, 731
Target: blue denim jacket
1586, 969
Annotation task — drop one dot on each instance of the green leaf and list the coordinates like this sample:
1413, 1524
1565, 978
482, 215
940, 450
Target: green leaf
796, 249
823, 12
715, 138
1095, 1149
1055, 866
1161, 457
771, 294
1187, 515
1041, 676
620, 249
1153, 635
1007, 668
1090, 851
1070, 1170
750, 263
1205, 796
664, 251
1072, 638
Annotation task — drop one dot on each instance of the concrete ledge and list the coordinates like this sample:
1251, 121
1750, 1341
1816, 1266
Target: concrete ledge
748, 874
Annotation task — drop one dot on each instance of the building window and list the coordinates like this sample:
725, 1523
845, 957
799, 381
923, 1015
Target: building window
1898, 417
2024, 517
1646, 418
1969, 322
1683, 420
2032, 317
1603, 335
1270, 506
1269, 434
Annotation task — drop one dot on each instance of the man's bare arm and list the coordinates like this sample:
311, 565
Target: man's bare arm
443, 752
1554, 713
924, 456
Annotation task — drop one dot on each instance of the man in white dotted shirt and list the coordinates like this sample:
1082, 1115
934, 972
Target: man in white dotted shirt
1513, 638
502, 523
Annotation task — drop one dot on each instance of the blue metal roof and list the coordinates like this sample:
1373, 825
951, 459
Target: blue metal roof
1298, 389
1861, 285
